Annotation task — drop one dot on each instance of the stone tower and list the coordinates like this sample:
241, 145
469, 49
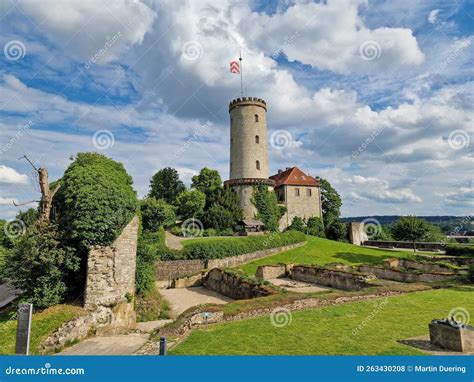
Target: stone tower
248, 149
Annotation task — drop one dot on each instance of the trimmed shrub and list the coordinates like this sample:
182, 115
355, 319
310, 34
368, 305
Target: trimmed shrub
460, 250
96, 200
221, 248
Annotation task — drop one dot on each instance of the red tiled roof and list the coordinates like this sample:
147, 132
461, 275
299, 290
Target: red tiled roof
295, 177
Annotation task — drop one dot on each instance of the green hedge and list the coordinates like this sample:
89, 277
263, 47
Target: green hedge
220, 248
460, 250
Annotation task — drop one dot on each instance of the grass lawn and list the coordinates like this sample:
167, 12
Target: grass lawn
44, 323
328, 331
323, 251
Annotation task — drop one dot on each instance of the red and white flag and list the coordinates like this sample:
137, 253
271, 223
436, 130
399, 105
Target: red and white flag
234, 67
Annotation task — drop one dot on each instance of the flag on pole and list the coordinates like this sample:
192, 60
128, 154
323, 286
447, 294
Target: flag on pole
234, 67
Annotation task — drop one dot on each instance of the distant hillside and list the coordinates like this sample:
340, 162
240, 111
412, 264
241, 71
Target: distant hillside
447, 224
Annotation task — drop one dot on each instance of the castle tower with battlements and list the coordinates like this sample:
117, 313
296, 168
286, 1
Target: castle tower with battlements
248, 150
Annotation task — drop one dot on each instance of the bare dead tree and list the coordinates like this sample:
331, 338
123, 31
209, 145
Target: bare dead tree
47, 195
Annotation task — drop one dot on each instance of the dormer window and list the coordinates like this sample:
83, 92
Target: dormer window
257, 165
257, 139
256, 117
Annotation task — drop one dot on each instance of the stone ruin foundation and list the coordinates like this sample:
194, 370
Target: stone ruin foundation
451, 335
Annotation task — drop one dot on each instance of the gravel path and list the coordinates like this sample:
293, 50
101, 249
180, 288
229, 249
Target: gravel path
182, 299
113, 345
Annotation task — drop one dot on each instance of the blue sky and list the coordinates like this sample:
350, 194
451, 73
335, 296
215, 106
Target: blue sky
375, 96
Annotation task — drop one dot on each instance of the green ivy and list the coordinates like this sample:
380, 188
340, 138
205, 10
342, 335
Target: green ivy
269, 212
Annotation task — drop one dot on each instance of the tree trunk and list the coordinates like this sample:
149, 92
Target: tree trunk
46, 195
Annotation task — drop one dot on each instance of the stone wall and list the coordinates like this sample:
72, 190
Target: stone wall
111, 269
168, 271
406, 245
406, 277
103, 320
459, 261
357, 234
232, 285
329, 277
421, 266
269, 272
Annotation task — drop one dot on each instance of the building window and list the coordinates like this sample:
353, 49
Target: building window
257, 164
257, 139
256, 117
297, 192
308, 192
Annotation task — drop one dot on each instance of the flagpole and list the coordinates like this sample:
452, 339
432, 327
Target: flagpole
241, 84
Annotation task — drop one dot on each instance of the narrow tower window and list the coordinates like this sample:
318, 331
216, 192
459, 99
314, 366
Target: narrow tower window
256, 117
257, 139
257, 164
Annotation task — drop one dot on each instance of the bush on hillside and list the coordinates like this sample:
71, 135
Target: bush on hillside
145, 271
336, 230
460, 250
40, 264
96, 200
219, 218
297, 224
156, 213
221, 248
315, 227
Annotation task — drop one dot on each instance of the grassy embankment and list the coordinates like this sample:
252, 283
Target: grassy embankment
44, 323
329, 331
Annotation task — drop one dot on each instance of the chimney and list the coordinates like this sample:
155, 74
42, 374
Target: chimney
280, 171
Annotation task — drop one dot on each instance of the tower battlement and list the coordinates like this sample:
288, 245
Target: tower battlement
245, 101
